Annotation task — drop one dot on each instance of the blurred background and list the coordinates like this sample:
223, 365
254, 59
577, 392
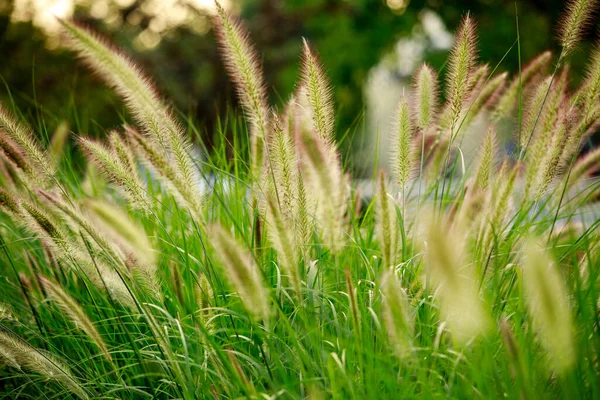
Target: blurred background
369, 48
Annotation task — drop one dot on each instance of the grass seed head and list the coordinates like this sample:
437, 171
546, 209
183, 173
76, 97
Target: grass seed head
119, 72
70, 308
22, 356
117, 173
282, 238
426, 90
548, 304
8, 203
578, 16
319, 94
204, 296
486, 163
396, 314
591, 86
461, 64
455, 283
17, 141
242, 63
242, 272
329, 186
386, 228
404, 152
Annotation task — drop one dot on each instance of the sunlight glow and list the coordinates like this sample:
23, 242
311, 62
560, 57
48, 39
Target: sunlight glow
42, 13
398, 6
162, 16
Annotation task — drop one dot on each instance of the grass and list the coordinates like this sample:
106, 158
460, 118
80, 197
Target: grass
162, 274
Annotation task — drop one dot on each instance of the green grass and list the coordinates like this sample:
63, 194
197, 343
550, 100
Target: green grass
154, 286
309, 348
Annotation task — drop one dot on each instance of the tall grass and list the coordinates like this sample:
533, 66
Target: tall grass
260, 272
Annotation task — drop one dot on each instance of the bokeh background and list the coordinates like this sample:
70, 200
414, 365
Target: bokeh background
369, 48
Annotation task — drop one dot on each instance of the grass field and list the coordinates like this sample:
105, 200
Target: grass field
263, 271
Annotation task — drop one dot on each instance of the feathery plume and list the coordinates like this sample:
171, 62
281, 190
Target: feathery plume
460, 68
485, 165
12, 132
203, 294
318, 92
386, 224
126, 78
396, 314
299, 114
115, 234
7, 359
548, 304
285, 144
123, 152
242, 273
498, 208
282, 238
110, 281
403, 150
115, 223
426, 91
578, 15
140, 98
15, 156
330, 187
117, 173
8, 175
186, 194
304, 224
245, 71
591, 86
283, 160
545, 121
40, 222
8, 203
461, 305
296, 122
23, 356
6, 313
74, 214
70, 308
551, 166
12, 161
185, 167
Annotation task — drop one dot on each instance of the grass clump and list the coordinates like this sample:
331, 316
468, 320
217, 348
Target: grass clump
264, 273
